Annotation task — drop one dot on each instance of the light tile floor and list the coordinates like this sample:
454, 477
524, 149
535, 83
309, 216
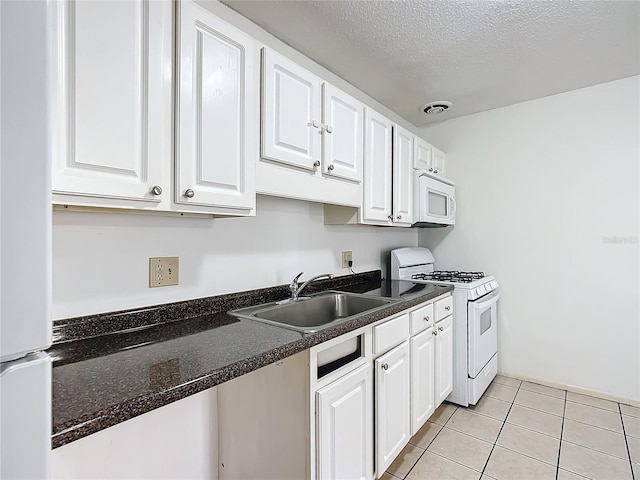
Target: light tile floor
521, 430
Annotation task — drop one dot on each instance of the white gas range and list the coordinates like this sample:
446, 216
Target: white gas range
475, 315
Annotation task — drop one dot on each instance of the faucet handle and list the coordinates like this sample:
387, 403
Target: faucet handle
294, 282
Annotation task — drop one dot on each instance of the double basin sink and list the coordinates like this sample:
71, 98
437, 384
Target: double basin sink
316, 312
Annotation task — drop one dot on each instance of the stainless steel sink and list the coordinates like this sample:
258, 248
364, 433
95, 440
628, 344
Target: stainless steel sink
314, 313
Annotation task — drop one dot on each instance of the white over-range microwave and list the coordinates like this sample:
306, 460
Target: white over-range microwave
435, 200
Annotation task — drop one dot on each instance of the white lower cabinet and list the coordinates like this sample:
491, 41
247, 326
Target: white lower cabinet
422, 378
392, 401
444, 359
345, 427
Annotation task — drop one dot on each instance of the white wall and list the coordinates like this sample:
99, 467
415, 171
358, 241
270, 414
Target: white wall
541, 187
101, 260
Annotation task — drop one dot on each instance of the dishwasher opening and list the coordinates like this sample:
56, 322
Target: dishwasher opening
339, 355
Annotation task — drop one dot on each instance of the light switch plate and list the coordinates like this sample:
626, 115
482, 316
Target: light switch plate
163, 271
347, 256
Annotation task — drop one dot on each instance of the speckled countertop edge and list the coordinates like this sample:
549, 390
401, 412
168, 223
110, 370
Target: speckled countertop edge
99, 420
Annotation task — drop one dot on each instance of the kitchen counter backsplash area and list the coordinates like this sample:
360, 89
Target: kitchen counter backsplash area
109, 368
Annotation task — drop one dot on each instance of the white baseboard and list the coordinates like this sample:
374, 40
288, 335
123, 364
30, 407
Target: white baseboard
574, 389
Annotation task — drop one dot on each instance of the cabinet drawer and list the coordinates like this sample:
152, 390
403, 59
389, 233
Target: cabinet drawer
421, 319
444, 308
390, 333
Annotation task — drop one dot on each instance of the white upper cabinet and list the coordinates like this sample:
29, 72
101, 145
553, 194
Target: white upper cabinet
388, 186
112, 123
439, 159
342, 126
215, 127
429, 158
422, 154
402, 173
311, 136
291, 112
376, 205
111, 100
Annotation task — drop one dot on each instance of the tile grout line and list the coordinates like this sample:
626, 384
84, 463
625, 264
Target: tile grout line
564, 412
626, 442
498, 436
537, 409
596, 426
593, 450
428, 445
456, 462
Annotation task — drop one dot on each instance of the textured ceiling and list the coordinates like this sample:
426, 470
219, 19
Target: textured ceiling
477, 54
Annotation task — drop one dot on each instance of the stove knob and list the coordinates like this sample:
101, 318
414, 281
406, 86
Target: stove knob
494, 284
479, 291
486, 288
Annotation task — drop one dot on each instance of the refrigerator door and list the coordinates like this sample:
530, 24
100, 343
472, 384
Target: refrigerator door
25, 185
25, 417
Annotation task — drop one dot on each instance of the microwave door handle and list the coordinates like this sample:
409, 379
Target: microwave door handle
453, 207
494, 298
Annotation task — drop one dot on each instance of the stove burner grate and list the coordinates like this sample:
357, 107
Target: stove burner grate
449, 276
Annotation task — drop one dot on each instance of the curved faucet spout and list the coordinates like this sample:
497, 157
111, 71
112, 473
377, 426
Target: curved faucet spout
295, 290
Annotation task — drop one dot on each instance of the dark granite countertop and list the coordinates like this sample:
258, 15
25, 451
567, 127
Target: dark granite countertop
109, 368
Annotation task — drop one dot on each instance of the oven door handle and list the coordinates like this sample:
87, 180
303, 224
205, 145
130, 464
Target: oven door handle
494, 297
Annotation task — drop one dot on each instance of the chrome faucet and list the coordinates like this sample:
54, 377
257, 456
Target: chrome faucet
295, 289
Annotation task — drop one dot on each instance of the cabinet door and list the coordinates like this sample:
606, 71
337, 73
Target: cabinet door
422, 155
342, 136
422, 378
438, 160
444, 360
345, 427
215, 162
377, 168
111, 100
402, 176
392, 405
291, 110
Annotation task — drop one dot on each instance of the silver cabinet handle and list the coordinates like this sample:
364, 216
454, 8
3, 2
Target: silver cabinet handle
399, 217
440, 328
447, 308
328, 129
316, 163
313, 123
435, 171
390, 217
385, 366
435, 332
156, 190
189, 193
426, 319
431, 169
330, 167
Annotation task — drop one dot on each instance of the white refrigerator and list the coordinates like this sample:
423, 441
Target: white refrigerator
25, 243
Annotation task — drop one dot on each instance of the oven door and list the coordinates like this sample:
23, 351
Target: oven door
483, 331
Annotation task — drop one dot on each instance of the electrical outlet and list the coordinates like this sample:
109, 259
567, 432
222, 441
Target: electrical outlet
347, 256
163, 271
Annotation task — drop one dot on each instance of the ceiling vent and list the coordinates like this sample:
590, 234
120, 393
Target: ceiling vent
433, 108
